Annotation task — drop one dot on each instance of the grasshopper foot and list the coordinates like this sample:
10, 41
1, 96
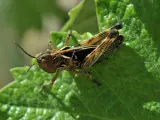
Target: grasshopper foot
44, 86
96, 82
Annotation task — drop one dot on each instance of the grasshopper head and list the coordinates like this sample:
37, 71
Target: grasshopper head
45, 62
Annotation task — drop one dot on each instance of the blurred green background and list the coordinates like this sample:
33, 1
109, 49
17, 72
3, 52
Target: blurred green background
29, 24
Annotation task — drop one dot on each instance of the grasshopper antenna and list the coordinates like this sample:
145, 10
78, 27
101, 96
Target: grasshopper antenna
29, 69
24, 51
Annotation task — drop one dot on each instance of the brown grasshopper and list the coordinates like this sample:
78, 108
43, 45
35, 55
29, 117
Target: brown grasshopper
78, 58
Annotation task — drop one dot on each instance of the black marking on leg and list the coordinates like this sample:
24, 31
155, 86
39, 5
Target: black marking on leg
96, 82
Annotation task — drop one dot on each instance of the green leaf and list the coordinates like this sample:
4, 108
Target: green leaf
82, 18
153, 107
130, 77
135, 79
148, 11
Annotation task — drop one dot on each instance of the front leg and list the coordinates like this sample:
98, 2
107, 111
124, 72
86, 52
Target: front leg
69, 34
51, 82
50, 46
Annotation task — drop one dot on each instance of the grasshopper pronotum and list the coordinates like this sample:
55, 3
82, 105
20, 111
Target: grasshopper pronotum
77, 59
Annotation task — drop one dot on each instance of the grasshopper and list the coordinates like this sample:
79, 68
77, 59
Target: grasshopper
78, 58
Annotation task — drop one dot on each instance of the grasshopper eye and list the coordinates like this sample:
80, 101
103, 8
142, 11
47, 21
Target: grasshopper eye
43, 59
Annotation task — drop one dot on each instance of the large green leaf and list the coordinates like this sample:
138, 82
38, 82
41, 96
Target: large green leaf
130, 78
83, 18
148, 11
